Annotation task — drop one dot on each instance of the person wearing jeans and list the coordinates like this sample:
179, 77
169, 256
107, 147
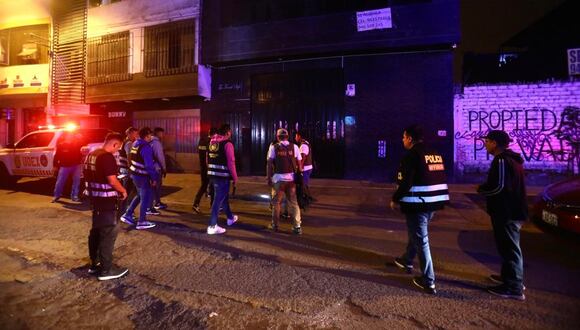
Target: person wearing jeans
68, 159
422, 189
221, 168
505, 193
418, 244
145, 178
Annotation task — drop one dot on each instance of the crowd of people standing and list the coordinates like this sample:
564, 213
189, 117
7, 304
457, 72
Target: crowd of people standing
421, 191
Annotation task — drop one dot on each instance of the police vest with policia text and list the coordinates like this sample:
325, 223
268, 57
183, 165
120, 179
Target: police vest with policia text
217, 163
428, 191
285, 160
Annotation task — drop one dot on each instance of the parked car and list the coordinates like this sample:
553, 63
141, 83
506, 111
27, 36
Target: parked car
558, 205
33, 154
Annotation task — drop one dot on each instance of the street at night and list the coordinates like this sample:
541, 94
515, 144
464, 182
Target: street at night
332, 276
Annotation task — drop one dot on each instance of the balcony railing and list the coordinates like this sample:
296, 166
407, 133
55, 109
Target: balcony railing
109, 58
169, 49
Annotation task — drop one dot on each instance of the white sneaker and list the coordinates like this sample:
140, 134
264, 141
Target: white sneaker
232, 221
215, 230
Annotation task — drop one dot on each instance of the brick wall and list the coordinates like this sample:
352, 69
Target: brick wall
541, 118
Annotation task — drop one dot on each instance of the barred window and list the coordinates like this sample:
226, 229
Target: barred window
109, 58
170, 49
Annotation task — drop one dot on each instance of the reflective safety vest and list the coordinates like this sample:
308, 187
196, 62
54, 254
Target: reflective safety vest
97, 186
123, 160
217, 163
137, 162
308, 158
429, 191
285, 160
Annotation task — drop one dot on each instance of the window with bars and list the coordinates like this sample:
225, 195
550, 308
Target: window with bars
109, 58
169, 49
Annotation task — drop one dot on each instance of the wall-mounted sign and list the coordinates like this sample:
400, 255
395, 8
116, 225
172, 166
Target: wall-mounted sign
350, 90
574, 61
382, 149
374, 19
118, 114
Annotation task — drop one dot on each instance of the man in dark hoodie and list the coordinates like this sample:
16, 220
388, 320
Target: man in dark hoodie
505, 192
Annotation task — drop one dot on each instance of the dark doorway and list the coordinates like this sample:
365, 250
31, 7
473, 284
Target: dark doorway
309, 101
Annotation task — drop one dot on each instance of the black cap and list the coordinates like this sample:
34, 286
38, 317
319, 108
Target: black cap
500, 137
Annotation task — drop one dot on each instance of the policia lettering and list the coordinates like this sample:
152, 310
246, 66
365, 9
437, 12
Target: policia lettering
429, 184
217, 161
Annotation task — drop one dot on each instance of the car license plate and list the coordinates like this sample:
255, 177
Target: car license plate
549, 218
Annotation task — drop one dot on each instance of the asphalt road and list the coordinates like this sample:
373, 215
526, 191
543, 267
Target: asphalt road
333, 276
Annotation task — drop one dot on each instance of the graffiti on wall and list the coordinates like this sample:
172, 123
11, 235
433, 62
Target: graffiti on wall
541, 135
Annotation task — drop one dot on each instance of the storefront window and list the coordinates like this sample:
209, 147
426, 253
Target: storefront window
24, 45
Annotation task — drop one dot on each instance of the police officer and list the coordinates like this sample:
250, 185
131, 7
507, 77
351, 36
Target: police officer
422, 190
131, 135
284, 160
103, 189
221, 168
144, 176
307, 164
202, 152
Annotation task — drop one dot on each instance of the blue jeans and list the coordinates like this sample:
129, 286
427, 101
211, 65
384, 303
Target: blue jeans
221, 188
144, 196
418, 243
507, 239
63, 174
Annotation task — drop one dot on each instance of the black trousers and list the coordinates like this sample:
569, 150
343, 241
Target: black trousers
131, 192
203, 189
102, 238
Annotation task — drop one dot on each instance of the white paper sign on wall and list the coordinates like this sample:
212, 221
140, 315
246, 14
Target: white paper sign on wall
374, 19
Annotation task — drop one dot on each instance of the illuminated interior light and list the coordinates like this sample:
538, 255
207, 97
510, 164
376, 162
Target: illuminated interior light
71, 126
51, 127
264, 196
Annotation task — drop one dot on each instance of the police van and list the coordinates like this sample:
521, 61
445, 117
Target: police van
32, 155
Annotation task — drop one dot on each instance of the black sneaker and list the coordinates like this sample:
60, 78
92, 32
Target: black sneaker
273, 227
94, 269
495, 278
285, 215
152, 211
297, 231
502, 291
400, 262
420, 282
113, 273
160, 206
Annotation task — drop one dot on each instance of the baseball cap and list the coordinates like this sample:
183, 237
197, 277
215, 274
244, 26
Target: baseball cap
281, 132
502, 138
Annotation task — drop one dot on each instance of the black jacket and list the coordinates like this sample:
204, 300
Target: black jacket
505, 188
422, 181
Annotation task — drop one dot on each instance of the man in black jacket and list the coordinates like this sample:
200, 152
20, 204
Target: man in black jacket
505, 192
422, 189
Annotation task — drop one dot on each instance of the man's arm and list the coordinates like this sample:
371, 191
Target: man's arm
158, 154
231, 158
298, 158
112, 179
147, 154
406, 179
495, 180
